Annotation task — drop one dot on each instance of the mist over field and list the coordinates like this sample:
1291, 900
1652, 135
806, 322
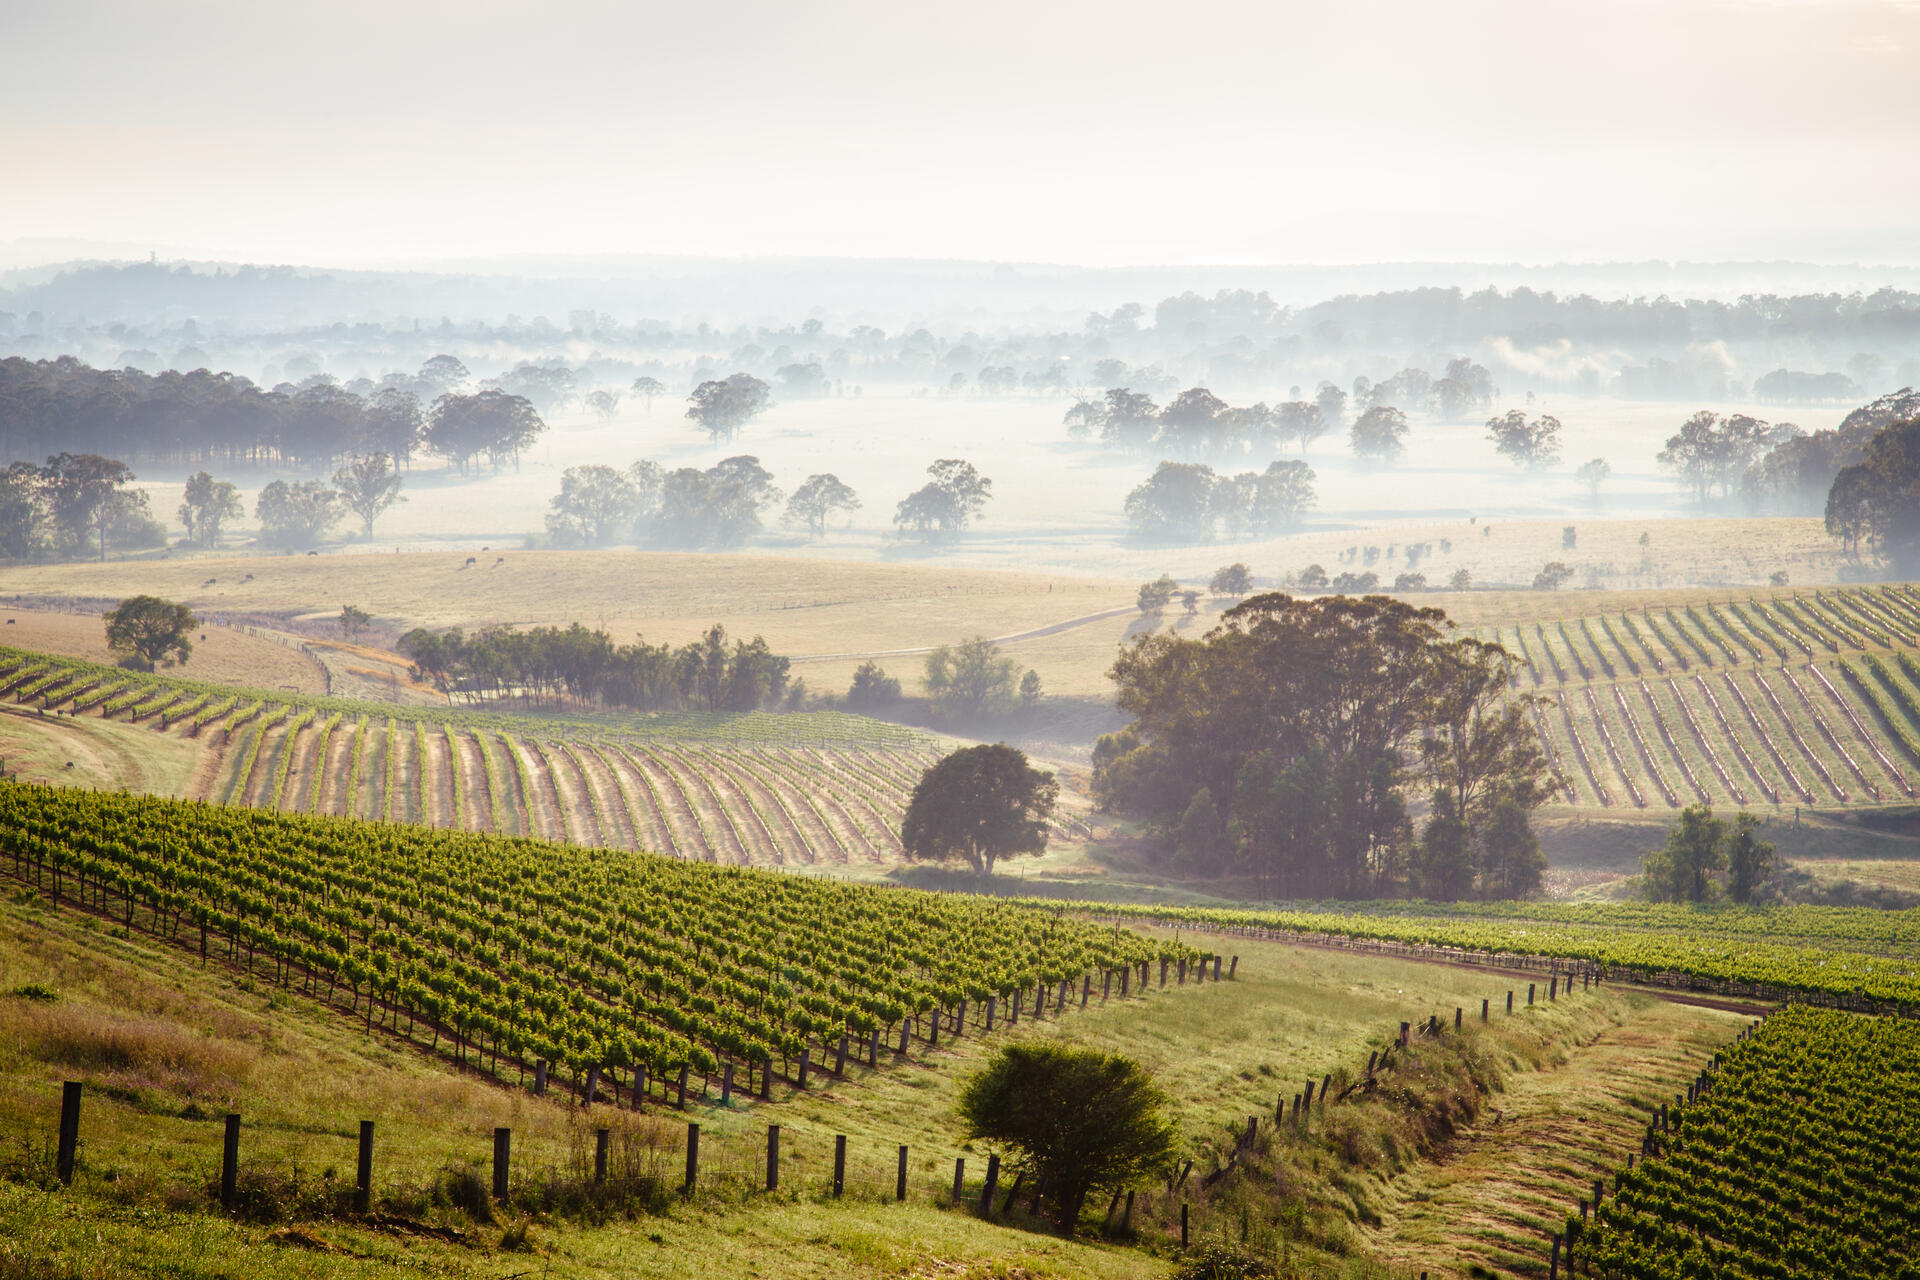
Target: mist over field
1276, 641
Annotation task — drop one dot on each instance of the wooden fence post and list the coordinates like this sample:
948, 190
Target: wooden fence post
1483, 1010
959, 1176
1509, 1003
363, 1173
600, 1137
540, 1078
726, 1084
900, 1176
1456, 1017
1183, 1224
773, 1157
1106, 985
230, 1163
906, 1033
1233, 969
1530, 995
873, 1048
839, 1164
991, 1185
69, 1131
806, 1056
990, 1004
1086, 990
593, 1086
693, 1157
1406, 1032
683, 1086
502, 1156
840, 1060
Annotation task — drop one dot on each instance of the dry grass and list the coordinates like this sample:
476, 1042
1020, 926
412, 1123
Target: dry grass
87, 751
816, 607
224, 654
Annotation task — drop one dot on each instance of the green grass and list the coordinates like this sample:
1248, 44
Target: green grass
167, 1046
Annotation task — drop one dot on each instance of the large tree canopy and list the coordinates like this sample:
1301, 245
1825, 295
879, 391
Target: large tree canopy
979, 804
1304, 721
1877, 501
1079, 1120
150, 631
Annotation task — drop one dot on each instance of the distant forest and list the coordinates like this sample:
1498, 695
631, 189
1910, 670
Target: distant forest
1814, 348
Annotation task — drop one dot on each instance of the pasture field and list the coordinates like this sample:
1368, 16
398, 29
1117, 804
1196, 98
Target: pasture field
228, 655
1058, 505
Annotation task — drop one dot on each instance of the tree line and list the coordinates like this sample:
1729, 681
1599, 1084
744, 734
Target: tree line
1284, 747
224, 419
1778, 468
557, 664
724, 505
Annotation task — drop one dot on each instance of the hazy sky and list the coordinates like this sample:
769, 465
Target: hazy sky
1110, 132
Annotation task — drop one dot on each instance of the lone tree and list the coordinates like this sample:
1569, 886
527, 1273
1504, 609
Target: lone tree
817, 498
1533, 444
296, 515
942, 508
1379, 435
1749, 858
353, 620
872, 687
151, 632
1593, 473
647, 388
979, 804
205, 505
1231, 580
1553, 575
370, 487
970, 679
722, 407
1081, 1121
1156, 595
1682, 870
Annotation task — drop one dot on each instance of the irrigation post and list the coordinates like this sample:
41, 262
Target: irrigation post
900, 1176
363, 1174
773, 1157
502, 1159
230, 1163
839, 1164
600, 1137
693, 1157
69, 1131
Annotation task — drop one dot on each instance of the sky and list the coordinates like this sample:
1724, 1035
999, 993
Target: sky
1110, 133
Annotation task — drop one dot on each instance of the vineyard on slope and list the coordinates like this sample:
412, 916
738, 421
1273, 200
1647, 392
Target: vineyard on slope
1857, 957
599, 959
1799, 1156
1812, 700
756, 788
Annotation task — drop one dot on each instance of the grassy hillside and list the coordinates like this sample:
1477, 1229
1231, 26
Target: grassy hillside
166, 1045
